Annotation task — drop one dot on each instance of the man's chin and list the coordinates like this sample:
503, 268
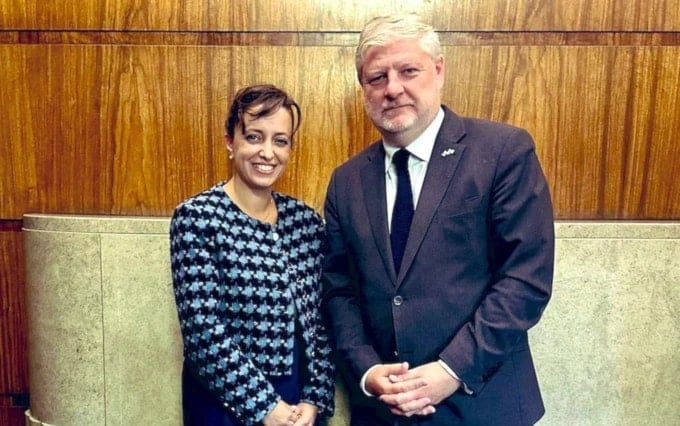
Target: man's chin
396, 126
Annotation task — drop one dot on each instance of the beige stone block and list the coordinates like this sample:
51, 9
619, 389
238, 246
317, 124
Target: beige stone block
104, 343
143, 346
65, 335
32, 421
76, 224
607, 350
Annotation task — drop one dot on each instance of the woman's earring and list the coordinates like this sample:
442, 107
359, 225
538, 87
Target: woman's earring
231, 153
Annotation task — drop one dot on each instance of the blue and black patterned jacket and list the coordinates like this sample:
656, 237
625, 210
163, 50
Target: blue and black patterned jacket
242, 287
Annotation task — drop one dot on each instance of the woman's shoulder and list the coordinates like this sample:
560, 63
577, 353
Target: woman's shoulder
206, 200
296, 206
202, 208
299, 215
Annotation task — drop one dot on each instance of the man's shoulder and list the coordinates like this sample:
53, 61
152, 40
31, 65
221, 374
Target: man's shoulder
372, 152
478, 126
484, 137
486, 125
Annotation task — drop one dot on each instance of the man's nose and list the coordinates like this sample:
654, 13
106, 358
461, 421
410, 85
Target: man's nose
394, 86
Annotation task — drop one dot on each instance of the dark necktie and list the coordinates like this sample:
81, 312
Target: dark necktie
403, 207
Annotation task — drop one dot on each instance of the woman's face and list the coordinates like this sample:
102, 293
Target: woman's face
261, 149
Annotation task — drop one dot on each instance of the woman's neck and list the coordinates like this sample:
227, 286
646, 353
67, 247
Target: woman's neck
256, 204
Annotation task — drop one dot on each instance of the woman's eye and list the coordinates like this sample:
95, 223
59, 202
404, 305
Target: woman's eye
252, 137
282, 142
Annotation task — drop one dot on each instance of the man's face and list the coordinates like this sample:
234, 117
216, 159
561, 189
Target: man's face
402, 89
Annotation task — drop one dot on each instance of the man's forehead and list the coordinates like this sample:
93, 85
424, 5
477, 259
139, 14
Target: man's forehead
394, 56
406, 44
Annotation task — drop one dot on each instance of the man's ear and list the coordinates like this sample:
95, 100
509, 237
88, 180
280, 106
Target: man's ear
439, 67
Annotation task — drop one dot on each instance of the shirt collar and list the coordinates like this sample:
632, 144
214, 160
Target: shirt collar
423, 145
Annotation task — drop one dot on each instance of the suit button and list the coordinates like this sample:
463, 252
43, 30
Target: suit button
397, 300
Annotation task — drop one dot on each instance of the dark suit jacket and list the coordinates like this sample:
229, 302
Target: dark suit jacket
476, 273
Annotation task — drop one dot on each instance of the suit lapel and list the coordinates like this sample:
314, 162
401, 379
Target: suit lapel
373, 188
446, 155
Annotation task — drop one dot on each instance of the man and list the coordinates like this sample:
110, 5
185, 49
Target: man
430, 306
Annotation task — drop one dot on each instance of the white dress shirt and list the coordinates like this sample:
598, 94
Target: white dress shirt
421, 151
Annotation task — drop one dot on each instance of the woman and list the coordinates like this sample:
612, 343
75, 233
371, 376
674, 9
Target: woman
246, 264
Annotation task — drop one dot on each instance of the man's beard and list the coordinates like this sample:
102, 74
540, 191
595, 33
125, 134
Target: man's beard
396, 124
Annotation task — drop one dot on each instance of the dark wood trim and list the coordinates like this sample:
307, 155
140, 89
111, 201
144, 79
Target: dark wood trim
345, 38
11, 225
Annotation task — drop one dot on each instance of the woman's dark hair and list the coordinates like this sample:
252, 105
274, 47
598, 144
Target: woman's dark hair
260, 101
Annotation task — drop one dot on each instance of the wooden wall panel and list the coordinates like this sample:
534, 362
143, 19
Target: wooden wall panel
605, 136
132, 130
97, 129
652, 15
338, 15
13, 374
11, 415
127, 130
18, 180
160, 126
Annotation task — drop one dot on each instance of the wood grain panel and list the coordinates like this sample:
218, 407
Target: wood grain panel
652, 15
651, 181
338, 15
12, 416
605, 136
134, 129
160, 124
18, 180
332, 39
13, 371
55, 141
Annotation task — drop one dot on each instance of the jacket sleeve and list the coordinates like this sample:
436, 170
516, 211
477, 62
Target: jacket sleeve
341, 292
319, 388
521, 258
213, 357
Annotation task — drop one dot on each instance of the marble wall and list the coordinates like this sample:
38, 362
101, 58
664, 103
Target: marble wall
104, 342
105, 349
608, 347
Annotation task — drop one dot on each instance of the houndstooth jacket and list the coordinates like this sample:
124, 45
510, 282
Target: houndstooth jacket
241, 288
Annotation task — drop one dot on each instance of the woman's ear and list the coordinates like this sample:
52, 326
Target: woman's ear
229, 143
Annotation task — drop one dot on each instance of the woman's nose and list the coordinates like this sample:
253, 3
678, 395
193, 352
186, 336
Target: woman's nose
266, 150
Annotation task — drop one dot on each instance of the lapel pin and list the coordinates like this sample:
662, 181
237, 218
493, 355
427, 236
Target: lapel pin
448, 152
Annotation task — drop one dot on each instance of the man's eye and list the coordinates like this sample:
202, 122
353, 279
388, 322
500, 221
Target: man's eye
375, 80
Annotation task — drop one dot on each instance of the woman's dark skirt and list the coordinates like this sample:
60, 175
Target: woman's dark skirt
201, 408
